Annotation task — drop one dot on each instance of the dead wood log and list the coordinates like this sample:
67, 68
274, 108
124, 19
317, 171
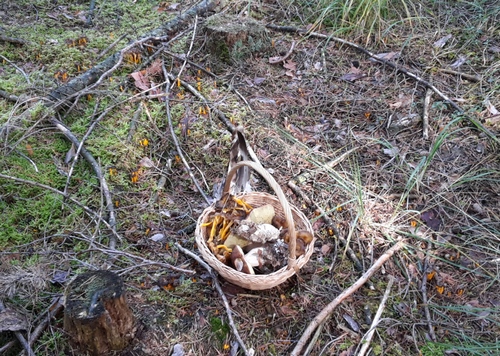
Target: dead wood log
76, 85
97, 316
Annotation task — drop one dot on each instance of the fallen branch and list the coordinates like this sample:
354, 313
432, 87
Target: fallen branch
13, 40
365, 341
222, 295
388, 63
325, 313
98, 172
101, 70
8, 96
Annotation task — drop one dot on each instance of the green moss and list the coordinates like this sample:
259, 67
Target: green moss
220, 329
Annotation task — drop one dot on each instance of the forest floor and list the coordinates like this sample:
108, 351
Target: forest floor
346, 130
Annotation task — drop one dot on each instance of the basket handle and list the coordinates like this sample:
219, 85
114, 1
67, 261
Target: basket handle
281, 197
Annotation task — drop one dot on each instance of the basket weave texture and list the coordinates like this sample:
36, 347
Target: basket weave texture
296, 221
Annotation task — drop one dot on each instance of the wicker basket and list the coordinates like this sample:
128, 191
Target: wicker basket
296, 221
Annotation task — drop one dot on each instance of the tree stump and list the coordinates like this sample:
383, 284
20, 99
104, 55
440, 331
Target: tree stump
232, 39
97, 316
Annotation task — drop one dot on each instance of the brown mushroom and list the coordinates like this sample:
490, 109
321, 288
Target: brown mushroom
300, 248
279, 222
305, 236
239, 262
284, 235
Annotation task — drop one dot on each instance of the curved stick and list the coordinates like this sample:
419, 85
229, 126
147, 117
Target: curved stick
98, 172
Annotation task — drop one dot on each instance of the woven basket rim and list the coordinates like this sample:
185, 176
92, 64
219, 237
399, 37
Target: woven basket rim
258, 281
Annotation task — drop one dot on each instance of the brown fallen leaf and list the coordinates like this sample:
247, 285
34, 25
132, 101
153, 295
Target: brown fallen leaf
461, 60
388, 56
286, 310
325, 249
431, 219
442, 41
146, 162
291, 65
354, 74
141, 81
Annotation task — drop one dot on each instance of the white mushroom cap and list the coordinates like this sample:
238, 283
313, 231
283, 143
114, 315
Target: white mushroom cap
254, 257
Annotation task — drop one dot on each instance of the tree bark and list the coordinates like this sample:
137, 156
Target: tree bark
97, 316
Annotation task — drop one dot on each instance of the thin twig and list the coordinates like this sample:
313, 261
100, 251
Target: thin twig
469, 77
77, 153
325, 313
204, 100
231, 128
6, 347
376, 57
25, 157
111, 46
19, 69
301, 178
20, 336
425, 116
176, 142
188, 52
423, 290
142, 259
221, 293
275, 60
134, 121
98, 172
329, 222
194, 64
367, 338
52, 311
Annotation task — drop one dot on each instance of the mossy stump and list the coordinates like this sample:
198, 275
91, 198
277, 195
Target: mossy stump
231, 39
97, 316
